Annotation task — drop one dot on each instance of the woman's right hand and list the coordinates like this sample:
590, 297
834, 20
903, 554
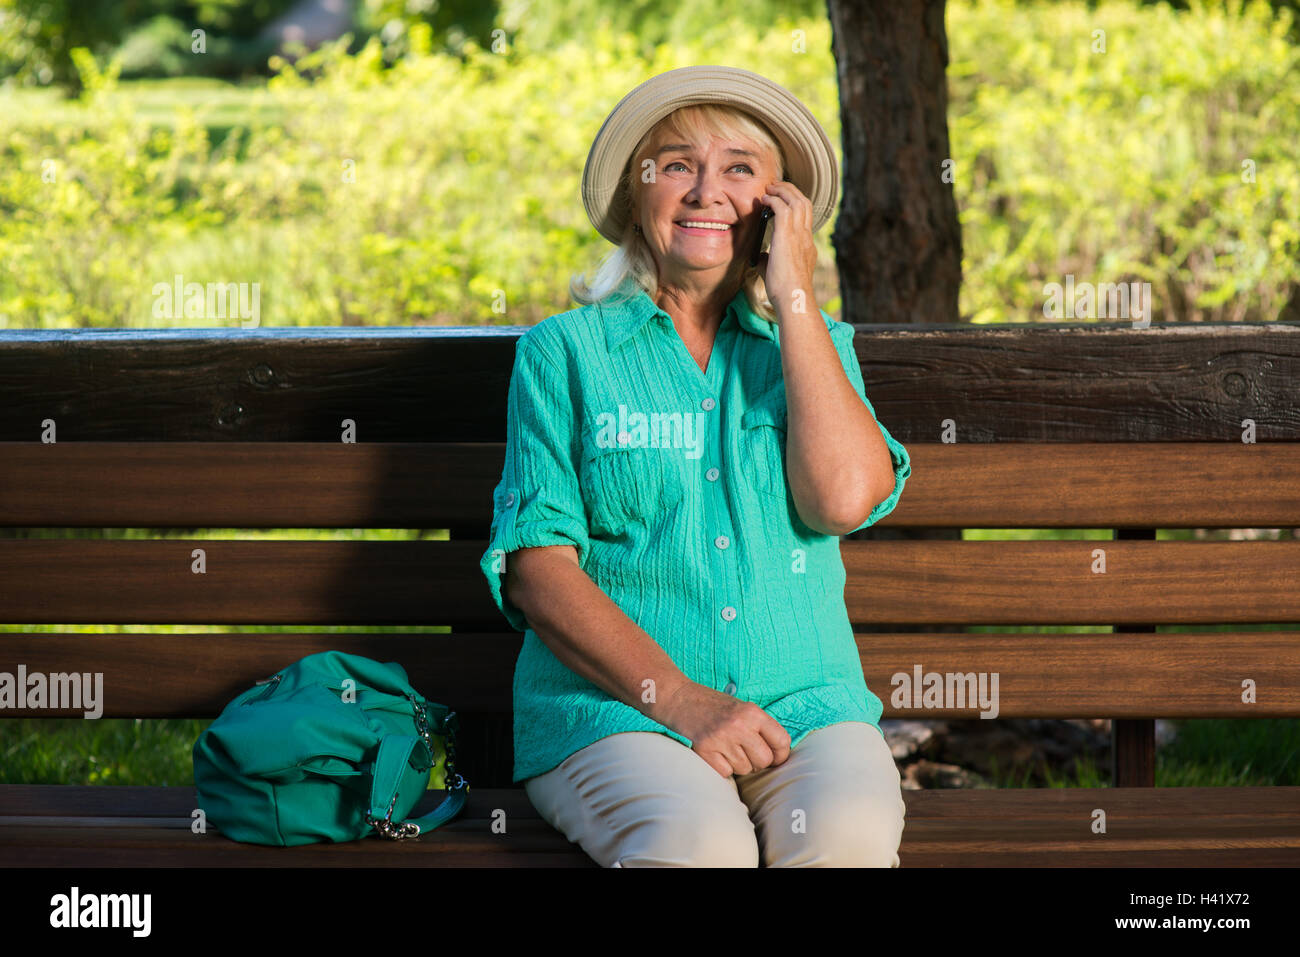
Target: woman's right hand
733, 736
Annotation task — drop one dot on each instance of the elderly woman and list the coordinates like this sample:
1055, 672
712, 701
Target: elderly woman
682, 454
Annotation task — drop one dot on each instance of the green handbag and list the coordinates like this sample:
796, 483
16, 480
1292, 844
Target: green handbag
335, 747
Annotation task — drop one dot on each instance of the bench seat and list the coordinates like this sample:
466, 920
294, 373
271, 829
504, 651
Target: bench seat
122, 826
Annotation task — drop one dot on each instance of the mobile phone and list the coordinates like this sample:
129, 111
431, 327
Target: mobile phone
763, 217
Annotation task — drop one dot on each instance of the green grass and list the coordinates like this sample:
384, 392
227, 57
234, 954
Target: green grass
107, 751
1085, 774
218, 105
1239, 753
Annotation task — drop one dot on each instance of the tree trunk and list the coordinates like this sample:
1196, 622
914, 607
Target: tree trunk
897, 240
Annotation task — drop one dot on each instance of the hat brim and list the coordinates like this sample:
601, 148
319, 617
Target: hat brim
810, 159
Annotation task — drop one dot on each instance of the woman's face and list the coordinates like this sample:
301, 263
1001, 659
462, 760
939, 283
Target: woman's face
720, 182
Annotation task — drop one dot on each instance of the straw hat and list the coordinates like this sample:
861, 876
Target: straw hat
810, 159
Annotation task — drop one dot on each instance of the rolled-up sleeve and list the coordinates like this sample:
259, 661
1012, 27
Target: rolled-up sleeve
842, 335
538, 501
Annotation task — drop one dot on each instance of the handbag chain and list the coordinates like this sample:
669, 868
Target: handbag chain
397, 832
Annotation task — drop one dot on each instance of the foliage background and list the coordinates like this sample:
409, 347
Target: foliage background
1122, 166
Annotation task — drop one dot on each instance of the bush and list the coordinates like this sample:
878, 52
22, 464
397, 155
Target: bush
1169, 158
37, 36
446, 190
158, 47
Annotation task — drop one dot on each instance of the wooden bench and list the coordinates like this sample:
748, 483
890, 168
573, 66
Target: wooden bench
1056, 426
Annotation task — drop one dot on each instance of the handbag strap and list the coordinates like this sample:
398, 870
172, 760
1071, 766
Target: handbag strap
394, 756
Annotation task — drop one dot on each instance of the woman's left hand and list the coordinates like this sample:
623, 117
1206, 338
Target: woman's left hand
788, 264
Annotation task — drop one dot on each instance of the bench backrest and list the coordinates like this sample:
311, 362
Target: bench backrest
1080, 426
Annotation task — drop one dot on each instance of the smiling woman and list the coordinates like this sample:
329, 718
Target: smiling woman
688, 131
689, 678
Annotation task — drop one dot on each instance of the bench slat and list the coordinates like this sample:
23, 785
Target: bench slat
1039, 381
1023, 803
1123, 675
248, 484
195, 676
1054, 582
68, 581
246, 582
940, 848
124, 802
1246, 827
414, 485
452, 845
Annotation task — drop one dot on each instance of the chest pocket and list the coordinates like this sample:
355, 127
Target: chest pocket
762, 444
624, 486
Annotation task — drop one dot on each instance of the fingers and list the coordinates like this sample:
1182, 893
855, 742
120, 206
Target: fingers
778, 740
747, 739
751, 756
765, 749
784, 194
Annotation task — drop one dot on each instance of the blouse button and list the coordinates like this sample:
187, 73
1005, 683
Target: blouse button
728, 613
712, 475
707, 405
722, 541
510, 499
730, 688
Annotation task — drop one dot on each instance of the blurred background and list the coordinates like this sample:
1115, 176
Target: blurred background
378, 162
417, 162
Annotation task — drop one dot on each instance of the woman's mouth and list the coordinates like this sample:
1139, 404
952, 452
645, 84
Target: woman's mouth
697, 227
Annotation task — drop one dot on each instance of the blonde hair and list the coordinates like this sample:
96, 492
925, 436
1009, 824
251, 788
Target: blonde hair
630, 263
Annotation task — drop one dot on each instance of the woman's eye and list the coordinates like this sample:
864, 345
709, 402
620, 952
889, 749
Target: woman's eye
743, 166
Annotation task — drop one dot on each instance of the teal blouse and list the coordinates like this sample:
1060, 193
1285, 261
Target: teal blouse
670, 483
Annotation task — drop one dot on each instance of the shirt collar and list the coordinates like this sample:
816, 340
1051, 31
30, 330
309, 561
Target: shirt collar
625, 317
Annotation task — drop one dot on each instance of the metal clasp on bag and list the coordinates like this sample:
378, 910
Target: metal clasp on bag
454, 780
385, 828
450, 766
421, 721
270, 684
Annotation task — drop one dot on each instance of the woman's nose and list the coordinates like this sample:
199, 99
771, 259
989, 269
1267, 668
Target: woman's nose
706, 190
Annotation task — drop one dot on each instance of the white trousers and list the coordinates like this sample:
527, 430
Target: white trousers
643, 799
